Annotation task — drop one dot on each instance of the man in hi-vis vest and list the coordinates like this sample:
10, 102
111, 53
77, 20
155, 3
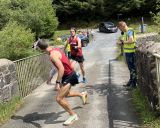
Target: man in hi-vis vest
129, 45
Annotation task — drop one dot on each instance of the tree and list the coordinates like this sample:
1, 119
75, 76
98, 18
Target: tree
4, 13
15, 40
39, 15
85, 10
101, 9
156, 17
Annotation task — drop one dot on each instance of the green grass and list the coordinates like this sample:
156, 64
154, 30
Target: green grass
64, 29
135, 23
79, 25
7, 109
61, 33
58, 33
147, 116
132, 22
150, 28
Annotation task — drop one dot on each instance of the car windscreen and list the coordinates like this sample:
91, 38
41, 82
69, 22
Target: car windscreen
108, 24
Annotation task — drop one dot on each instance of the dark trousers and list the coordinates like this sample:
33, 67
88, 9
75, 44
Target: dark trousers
130, 59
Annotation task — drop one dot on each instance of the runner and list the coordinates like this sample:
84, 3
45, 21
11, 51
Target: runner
65, 80
76, 51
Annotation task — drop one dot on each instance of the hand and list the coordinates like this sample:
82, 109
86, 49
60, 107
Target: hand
76, 48
119, 42
48, 82
57, 87
122, 41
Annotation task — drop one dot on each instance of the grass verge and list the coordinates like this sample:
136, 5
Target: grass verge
147, 116
7, 109
61, 33
150, 25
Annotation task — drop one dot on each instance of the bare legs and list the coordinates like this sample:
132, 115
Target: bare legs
81, 67
63, 92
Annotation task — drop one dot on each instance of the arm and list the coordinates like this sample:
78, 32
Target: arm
130, 38
129, 41
66, 44
120, 40
79, 42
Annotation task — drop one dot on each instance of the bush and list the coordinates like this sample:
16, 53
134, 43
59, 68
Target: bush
156, 17
39, 16
15, 40
4, 13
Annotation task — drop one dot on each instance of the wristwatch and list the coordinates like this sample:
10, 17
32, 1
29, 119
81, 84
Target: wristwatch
57, 82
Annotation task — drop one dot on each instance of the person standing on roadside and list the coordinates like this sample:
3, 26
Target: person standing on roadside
129, 45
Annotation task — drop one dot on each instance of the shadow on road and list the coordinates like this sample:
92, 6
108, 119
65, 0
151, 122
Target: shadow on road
50, 118
121, 112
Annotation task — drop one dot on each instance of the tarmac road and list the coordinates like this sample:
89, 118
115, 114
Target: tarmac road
109, 104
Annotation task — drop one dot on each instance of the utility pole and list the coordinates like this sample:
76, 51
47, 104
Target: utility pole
142, 26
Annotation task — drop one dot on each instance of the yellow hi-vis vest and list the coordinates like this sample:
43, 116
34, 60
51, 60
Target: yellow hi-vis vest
129, 48
68, 48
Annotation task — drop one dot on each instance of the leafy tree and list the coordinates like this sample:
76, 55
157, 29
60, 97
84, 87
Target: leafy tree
15, 40
4, 13
156, 17
39, 15
126, 7
87, 10
78, 9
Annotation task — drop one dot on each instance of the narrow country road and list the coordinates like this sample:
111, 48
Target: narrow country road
109, 104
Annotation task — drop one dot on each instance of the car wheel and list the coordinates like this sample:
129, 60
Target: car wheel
116, 30
101, 29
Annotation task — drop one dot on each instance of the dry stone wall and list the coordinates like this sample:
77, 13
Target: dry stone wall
146, 66
8, 80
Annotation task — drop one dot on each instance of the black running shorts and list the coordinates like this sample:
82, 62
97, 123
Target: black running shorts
71, 78
79, 59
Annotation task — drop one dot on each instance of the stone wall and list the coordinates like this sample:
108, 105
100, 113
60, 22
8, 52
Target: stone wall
146, 66
143, 38
8, 80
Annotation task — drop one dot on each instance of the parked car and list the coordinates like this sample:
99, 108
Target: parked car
84, 39
108, 27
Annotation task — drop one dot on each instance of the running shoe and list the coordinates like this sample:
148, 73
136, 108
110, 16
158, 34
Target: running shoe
84, 97
84, 80
78, 75
70, 120
130, 88
127, 85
